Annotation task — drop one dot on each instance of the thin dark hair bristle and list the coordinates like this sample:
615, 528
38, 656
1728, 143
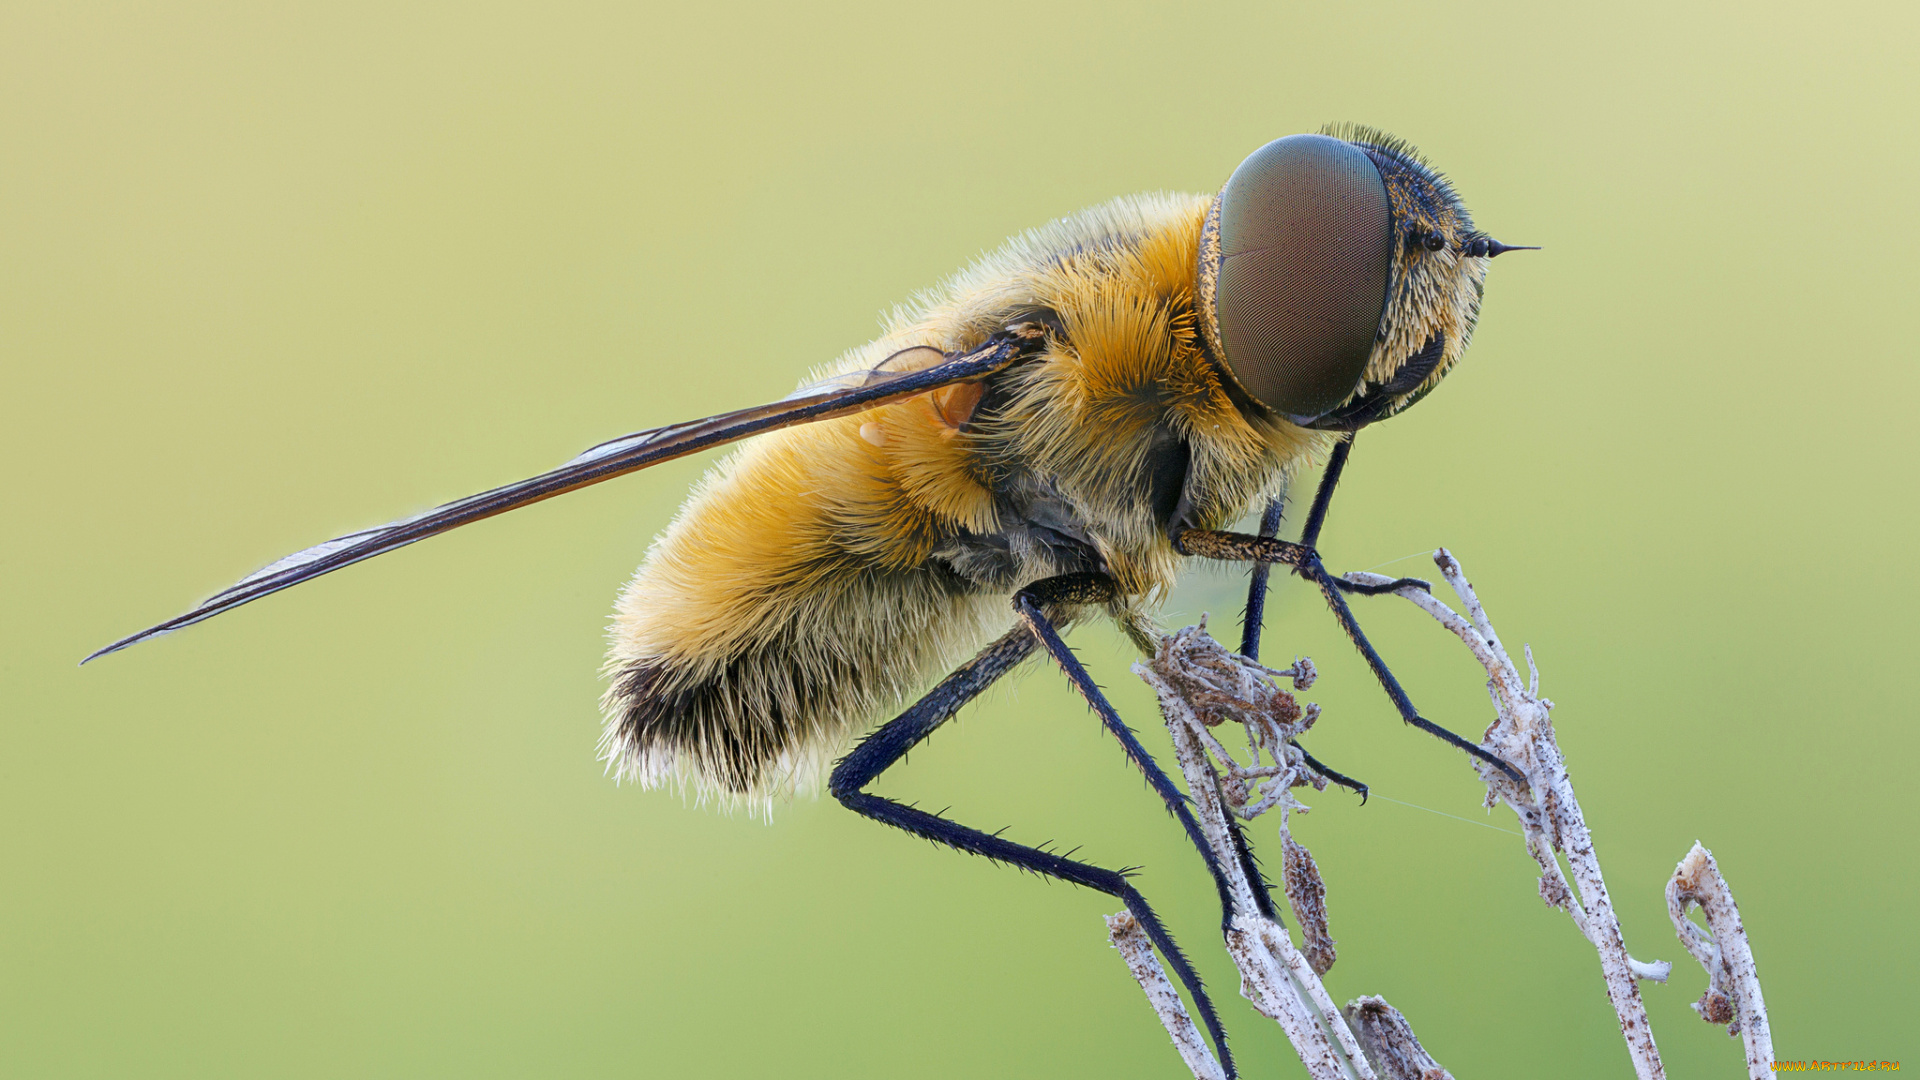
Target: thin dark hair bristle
1397, 150
1379, 140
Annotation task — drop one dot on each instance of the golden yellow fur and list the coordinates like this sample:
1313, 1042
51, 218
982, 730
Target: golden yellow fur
821, 575
806, 550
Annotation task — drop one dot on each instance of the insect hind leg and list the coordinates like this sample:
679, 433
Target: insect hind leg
1033, 604
886, 746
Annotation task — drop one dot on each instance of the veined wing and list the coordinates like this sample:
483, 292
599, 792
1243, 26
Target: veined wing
901, 375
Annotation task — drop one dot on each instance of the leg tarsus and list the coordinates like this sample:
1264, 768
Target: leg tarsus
1357, 787
1344, 616
1306, 562
1395, 585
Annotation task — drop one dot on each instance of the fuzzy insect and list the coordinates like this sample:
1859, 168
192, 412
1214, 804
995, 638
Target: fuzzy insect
1048, 436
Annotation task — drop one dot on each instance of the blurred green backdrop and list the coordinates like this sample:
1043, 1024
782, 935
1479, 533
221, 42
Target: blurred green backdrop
270, 272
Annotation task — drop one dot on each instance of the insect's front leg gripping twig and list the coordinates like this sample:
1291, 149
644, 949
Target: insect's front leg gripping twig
1200, 685
1305, 561
1522, 733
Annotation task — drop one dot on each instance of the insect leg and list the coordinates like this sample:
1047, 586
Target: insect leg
1032, 603
1344, 616
1238, 546
1358, 787
880, 750
1251, 624
1317, 517
1323, 495
1305, 561
1256, 613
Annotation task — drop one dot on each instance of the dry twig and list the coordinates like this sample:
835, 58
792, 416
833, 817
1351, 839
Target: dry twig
1201, 685
1522, 733
1127, 936
1733, 984
1390, 1043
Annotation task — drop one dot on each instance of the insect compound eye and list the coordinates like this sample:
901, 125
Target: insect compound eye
1303, 241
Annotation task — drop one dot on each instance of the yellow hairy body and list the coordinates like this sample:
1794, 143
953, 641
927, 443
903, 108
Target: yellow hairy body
822, 575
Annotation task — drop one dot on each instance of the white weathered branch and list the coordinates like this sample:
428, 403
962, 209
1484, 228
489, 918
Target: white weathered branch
1201, 685
1522, 734
1733, 983
1127, 936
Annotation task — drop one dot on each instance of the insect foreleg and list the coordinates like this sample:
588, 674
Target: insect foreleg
880, 750
1323, 495
1358, 787
1344, 616
1305, 561
1240, 547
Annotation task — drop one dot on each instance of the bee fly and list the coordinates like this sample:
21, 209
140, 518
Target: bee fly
1047, 437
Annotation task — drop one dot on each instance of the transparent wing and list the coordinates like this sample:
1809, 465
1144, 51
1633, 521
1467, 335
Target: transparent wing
904, 374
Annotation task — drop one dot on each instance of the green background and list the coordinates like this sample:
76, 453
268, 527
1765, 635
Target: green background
269, 273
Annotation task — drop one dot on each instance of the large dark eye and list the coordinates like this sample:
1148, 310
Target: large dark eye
1305, 240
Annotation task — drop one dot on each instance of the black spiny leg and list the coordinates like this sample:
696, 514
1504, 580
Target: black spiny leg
1323, 495
1032, 603
1358, 787
1252, 623
1255, 618
1305, 561
881, 749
